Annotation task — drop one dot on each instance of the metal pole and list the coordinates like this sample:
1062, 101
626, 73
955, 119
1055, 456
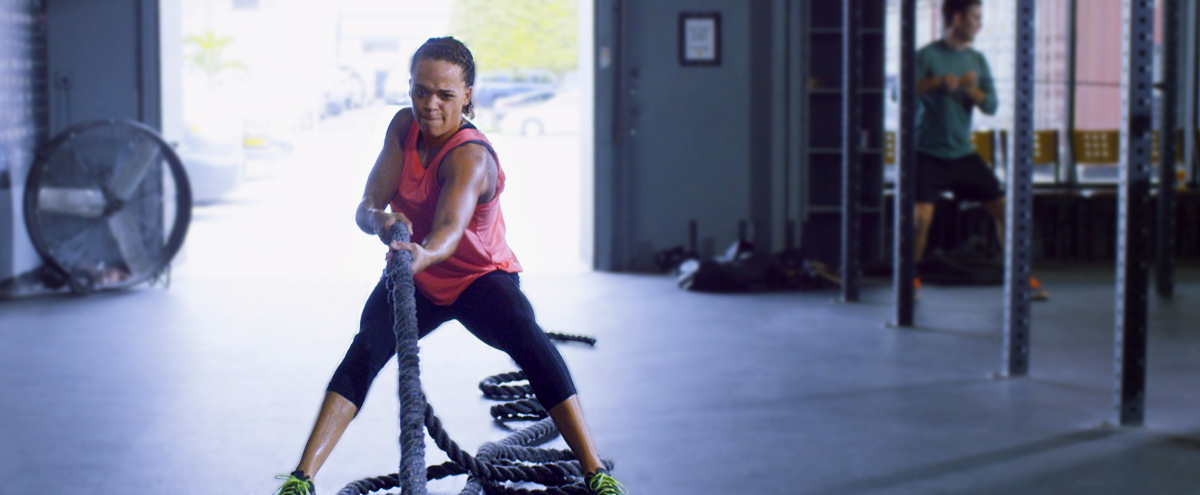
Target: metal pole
851, 132
624, 140
797, 115
804, 21
1019, 203
1190, 13
610, 191
1071, 175
1165, 229
906, 158
789, 230
1133, 212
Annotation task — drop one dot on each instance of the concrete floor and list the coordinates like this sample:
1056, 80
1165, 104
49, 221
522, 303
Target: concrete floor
211, 386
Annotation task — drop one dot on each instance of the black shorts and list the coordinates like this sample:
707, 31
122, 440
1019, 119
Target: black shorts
492, 307
968, 177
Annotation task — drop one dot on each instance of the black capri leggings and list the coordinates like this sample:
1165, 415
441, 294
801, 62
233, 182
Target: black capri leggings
492, 308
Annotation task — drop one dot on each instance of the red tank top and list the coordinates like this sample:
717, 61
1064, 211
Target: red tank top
482, 248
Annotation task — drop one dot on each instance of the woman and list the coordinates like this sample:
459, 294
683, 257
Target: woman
443, 181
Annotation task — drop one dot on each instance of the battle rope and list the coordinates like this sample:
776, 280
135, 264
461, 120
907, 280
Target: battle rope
513, 459
412, 398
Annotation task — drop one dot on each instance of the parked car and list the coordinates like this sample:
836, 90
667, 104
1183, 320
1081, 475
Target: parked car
541, 112
395, 88
211, 145
344, 90
357, 87
519, 100
265, 139
491, 86
213, 158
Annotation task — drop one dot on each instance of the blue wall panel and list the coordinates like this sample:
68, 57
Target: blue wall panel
678, 145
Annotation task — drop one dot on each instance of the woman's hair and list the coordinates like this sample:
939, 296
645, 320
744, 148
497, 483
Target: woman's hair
448, 49
951, 7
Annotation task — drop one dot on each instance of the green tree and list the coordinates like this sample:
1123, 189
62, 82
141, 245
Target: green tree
207, 53
519, 34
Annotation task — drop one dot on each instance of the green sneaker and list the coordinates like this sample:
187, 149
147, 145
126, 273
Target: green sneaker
602, 483
296, 483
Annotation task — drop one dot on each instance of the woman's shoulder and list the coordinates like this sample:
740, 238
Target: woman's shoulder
469, 135
469, 130
469, 144
401, 124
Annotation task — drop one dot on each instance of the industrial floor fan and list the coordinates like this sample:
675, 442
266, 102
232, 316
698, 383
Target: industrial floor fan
107, 205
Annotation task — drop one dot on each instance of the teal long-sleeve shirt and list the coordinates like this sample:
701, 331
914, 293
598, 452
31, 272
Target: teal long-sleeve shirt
944, 118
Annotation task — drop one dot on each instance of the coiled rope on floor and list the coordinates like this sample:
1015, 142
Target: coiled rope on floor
497, 465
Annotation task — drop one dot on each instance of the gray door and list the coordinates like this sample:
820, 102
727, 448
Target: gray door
677, 142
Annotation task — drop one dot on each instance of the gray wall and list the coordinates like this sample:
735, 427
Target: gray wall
676, 143
23, 114
82, 60
103, 61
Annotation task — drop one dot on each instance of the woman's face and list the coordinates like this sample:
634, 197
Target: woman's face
439, 94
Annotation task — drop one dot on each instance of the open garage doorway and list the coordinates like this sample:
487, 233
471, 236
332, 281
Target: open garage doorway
279, 108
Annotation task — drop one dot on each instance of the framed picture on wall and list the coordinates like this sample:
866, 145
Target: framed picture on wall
700, 38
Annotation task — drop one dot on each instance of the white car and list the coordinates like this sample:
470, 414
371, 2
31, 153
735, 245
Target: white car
214, 167
539, 112
212, 155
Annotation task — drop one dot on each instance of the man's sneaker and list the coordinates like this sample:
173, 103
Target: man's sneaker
601, 483
296, 483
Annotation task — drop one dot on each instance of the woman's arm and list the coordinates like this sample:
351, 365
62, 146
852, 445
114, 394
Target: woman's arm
384, 181
468, 177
